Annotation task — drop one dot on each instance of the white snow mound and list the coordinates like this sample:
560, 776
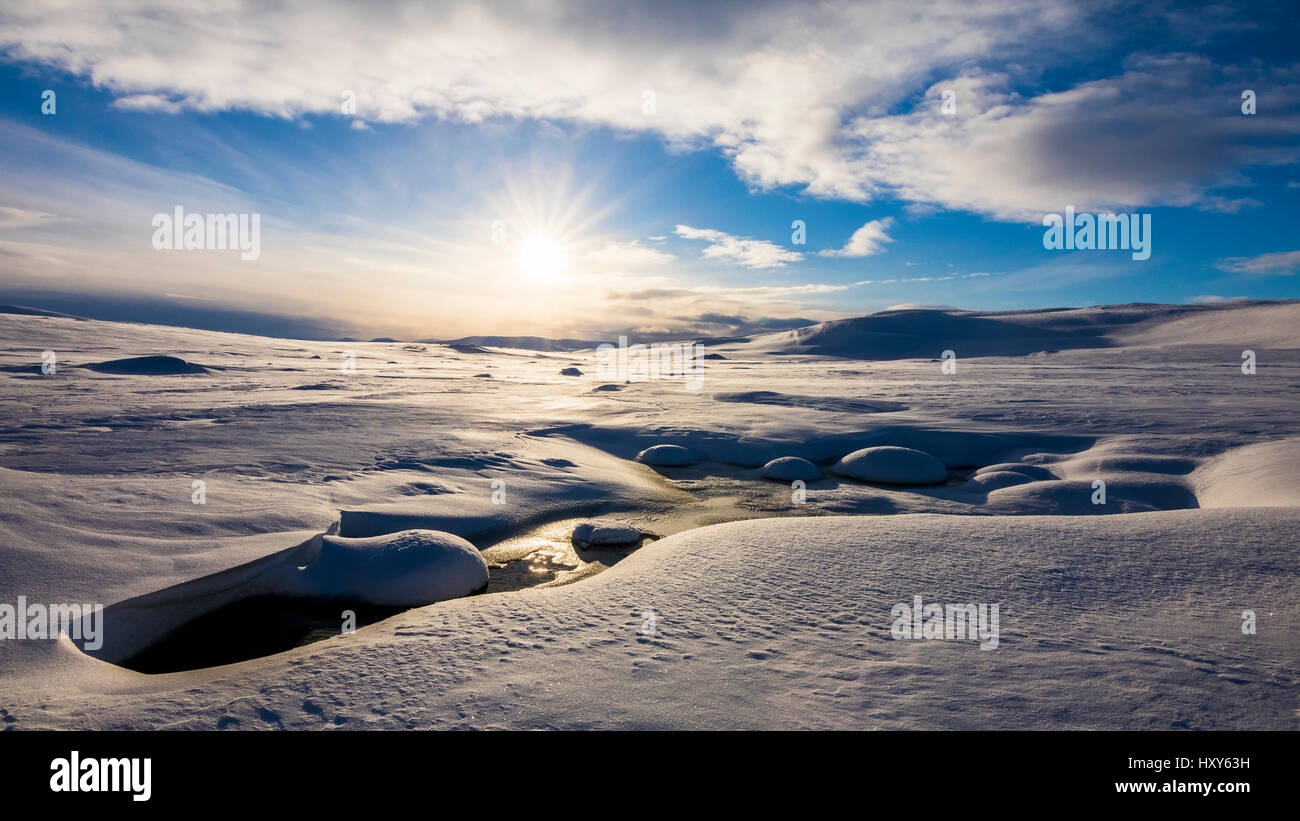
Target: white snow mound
605, 534
407, 569
789, 468
667, 456
892, 465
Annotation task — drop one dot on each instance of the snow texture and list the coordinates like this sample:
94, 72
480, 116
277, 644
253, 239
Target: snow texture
759, 608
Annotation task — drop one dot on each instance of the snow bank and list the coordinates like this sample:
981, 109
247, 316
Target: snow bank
892, 465
789, 468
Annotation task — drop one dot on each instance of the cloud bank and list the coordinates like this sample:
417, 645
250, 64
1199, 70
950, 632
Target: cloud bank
834, 99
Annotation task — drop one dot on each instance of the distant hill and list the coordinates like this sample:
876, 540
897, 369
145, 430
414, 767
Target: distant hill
916, 333
527, 343
25, 311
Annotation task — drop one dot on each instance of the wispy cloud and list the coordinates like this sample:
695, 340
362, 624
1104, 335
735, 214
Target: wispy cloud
1282, 263
628, 255
22, 218
751, 253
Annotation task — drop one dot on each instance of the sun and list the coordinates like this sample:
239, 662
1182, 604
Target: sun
542, 258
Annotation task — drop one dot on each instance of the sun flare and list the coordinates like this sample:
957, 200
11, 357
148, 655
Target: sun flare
542, 258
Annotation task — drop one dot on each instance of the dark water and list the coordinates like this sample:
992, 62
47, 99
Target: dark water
251, 628
264, 625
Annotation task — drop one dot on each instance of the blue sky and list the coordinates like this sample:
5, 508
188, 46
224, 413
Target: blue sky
668, 220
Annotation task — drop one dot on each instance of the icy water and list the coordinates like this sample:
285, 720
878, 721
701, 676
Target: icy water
546, 557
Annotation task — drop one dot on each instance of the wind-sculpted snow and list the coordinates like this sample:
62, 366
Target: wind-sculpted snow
1125, 492
786, 623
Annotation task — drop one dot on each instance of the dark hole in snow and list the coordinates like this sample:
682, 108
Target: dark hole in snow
251, 628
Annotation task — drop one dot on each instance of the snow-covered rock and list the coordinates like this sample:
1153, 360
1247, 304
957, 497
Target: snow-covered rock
892, 465
789, 468
605, 534
667, 456
411, 568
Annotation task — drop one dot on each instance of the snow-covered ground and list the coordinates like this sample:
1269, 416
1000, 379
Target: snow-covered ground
751, 603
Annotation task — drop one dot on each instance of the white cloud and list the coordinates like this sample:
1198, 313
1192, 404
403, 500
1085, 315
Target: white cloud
793, 95
867, 240
628, 255
148, 102
751, 253
1282, 263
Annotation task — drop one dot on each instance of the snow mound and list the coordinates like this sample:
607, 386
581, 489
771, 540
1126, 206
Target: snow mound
1262, 475
671, 456
147, 366
789, 468
1070, 497
892, 465
605, 534
996, 480
1031, 471
406, 569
